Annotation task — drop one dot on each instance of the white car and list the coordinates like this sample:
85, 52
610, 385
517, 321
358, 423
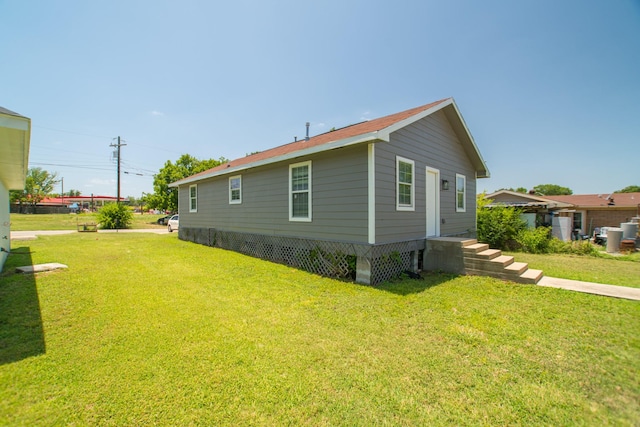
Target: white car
173, 223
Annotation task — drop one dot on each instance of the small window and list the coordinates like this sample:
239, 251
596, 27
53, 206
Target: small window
461, 193
235, 189
404, 187
300, 192
193, 198
577, 220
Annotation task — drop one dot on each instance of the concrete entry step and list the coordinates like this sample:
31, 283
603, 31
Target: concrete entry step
517, 267
475, 248
501, 261
489, 254
531, 276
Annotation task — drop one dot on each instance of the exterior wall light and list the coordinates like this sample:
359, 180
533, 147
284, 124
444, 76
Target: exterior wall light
445, 184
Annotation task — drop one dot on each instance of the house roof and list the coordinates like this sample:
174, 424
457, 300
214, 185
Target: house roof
631, 200
513, 198
15, 137
376, 130
74, 199
9, 112
597, 200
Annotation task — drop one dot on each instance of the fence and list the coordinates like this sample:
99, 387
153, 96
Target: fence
326, 258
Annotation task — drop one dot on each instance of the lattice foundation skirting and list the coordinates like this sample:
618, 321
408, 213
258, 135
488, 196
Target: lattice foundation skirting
369, 264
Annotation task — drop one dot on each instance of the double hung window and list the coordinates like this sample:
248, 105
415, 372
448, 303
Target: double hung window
461, 193
300, 191
235, 189
193, 198
405, 188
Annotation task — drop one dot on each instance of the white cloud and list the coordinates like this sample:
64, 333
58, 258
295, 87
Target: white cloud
364, 117
157, 113
99, 181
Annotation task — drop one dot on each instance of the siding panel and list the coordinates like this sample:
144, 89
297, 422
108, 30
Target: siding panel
429, 142
339, 200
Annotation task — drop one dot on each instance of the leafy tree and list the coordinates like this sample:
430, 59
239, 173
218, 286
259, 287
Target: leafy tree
166, 198
73, 193
498, 225
516, 190
38, 185
552, 190
115, 216
629, 189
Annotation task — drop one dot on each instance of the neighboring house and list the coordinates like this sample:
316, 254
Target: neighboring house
363, 196
15, 136
65, 204
591, 211
574, 215
537, 210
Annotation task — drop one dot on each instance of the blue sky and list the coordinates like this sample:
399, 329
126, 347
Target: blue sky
550, 90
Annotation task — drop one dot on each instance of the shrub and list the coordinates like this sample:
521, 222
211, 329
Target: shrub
115, 216
499, 225
584, 247
534, 240
579, 247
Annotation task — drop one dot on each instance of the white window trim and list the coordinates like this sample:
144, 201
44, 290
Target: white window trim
464, 192
410, 207
239, 201
191, 208
309, 190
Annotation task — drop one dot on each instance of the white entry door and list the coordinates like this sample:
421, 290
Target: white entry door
433, 202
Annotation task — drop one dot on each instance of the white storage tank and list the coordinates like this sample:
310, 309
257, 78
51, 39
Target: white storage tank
614, 237
629, 230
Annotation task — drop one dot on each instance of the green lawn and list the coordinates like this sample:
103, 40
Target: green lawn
150, 330
619, 270
31, 222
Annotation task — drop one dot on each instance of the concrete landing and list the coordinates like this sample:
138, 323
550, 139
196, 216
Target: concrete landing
38, 268
591, 288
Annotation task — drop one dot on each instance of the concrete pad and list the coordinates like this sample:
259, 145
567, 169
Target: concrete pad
591, 288
20, 235
24, 237
38, 268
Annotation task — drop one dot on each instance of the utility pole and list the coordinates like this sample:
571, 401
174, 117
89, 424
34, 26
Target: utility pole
62, 181
118, 145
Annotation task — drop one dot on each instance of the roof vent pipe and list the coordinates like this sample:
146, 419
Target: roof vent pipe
306, 138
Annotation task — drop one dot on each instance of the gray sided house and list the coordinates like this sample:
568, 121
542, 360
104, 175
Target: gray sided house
355, 202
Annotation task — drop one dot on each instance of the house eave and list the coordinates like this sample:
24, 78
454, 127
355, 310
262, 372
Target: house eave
346, 142
15, 137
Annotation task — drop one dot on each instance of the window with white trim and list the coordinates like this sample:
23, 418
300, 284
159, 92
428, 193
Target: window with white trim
461, 193
235, 189
300, 191
193, 198
404, 184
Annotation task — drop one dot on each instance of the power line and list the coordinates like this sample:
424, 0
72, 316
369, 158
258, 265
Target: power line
71, 132
66, 166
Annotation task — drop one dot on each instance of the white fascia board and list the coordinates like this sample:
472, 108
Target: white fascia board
473, 142
406, 122
371, 193
358, 139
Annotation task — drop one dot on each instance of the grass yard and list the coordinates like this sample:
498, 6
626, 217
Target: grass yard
31, 222
612, 270
150, 330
